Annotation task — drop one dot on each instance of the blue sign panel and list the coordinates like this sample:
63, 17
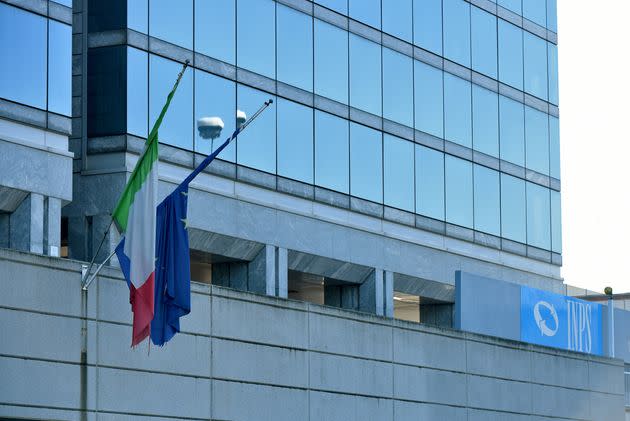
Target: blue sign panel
561, 322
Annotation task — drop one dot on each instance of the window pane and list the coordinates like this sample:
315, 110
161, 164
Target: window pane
331, 152
365, 75
427, 25
554, 147
60, 68
487, 198
510, 54
512, 130
398, 178
397, 87
459, 192
256, 36
552, 51
366, 11
137, 92
556, 222
256, 147
213, 18
484, 42
457, 113
177, 126
513, 5
538, 216
457, 31
552, 15
215, 97
340, 6
513, 219
331, 62
429, 182
138, 15
366, 166
172, 23
23, 58
485, 121
295, 141
537, 140
397, 18
295, 47
429, 100
535, 50
536, 11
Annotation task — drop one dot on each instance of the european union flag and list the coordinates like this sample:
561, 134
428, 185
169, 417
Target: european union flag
172, 266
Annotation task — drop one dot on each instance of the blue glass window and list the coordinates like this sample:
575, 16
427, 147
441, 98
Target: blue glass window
215, 97
398, 173
554, 147
512, 130
510, 54
552, 51
536, 11
429, 99
459, 191
484, 42
457, 31
556, 222
366, 11
485, 121
59, 68
295, 141
397, 18
256, 146
340, 6
332, 152
331, 62
427, 25
138, 15
212, 19
513, 5
67, 3
172, 24
487, 200
366, 163
552, 15
535, 50
256, 36
537, 140
397, 87
295, 47
22, 56
457, 112
365, 75
177, 126
538, 216
137, 92
513, 214
429, 182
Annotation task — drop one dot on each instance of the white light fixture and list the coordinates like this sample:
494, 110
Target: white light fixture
210, 127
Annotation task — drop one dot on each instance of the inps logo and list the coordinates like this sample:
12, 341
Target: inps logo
543, 321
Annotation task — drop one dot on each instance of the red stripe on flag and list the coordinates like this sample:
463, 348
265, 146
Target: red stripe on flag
141, 300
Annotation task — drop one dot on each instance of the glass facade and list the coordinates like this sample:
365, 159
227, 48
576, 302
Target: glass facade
36, 65
339, 151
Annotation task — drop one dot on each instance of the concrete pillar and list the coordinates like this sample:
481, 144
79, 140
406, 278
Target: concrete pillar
270, 269
388, 294
52, 226
101, 226
371, 293
4, 230
26, 225
282, 271
341, 295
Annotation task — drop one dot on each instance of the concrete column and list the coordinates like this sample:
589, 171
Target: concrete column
282, 271
270, 269
371, 293
100, 224
52, 224
26, 226
4, 230
388, 294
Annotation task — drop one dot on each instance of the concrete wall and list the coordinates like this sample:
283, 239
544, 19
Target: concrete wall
248, 357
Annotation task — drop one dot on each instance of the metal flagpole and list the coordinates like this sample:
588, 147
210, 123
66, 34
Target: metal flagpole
87, 278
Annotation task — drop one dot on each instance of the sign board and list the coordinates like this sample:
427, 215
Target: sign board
561, 322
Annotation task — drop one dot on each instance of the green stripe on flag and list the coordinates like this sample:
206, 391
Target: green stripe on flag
143, 167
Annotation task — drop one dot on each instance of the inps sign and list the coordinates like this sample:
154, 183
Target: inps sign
560, 321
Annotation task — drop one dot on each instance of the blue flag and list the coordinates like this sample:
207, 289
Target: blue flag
172, 266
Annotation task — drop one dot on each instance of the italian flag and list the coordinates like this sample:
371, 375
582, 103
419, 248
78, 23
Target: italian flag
135, 216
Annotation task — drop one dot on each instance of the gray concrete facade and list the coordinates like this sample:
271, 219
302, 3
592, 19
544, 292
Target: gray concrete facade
243, 356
